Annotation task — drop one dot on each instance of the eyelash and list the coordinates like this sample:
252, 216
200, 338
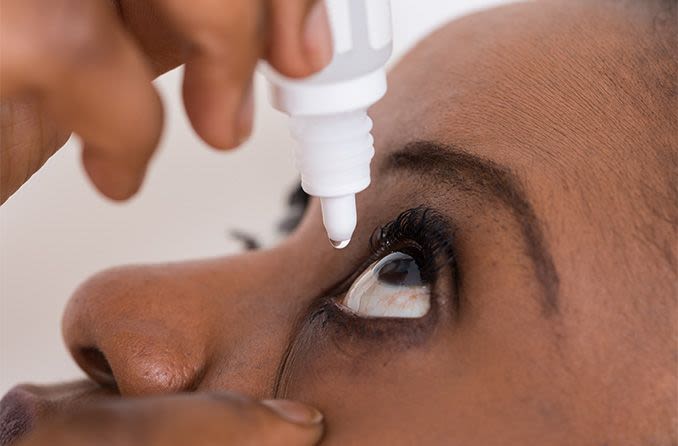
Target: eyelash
422, 233
424, 228
425, 235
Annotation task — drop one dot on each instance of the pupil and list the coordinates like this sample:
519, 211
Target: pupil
399, 269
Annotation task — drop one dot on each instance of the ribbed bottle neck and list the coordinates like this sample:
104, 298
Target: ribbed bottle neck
333, 153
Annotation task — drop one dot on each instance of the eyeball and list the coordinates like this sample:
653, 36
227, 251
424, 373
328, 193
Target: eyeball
390, 287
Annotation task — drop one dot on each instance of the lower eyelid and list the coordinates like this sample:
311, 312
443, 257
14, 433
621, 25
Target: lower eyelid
349, 327
329, 329
327, 318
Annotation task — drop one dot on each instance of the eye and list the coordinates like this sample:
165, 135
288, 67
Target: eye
390, 287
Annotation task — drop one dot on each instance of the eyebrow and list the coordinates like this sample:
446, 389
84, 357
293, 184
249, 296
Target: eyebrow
454, 166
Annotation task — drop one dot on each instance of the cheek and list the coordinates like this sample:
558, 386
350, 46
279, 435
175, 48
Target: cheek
376, 394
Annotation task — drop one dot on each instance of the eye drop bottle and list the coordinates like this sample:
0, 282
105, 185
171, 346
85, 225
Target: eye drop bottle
328, 111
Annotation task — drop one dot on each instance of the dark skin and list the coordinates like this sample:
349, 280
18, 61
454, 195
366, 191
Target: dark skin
543, 137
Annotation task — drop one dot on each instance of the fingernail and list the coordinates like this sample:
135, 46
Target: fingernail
317, 37
245, 116
294, 411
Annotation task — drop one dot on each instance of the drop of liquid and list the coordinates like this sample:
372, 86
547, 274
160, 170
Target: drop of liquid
340, 244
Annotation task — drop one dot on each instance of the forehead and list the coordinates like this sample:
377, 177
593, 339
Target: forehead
550, 91
525, 83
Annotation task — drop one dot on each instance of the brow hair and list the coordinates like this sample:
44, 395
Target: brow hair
657, 65
458, 168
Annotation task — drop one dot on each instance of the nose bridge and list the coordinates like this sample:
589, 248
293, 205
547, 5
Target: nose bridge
219, 323
263, 297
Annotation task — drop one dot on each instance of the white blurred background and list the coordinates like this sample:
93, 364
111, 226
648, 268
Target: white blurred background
56, 230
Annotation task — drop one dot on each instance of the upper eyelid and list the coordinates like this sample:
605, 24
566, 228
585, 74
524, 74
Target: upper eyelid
440, 230
343, 284
408, 226
417, 329
377, 251
414, 224
459, 169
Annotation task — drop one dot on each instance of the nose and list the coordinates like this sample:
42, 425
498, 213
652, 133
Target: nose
119, 328
181, 327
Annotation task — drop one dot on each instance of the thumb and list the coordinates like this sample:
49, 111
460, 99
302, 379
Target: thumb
182, 419
302, 423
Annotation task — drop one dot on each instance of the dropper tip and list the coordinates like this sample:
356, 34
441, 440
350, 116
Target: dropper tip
340, 244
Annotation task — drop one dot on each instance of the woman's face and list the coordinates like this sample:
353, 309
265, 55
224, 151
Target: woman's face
497, 301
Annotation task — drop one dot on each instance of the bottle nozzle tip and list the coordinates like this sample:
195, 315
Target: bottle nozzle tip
340, 244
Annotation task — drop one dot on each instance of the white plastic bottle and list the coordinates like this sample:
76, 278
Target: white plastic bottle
329, 111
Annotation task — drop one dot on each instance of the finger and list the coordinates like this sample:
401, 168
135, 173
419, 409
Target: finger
300, 37
28, 138
196, 419
92, 79
160, 42
226, 40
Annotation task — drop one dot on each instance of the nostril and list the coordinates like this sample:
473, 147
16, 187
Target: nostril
97, 367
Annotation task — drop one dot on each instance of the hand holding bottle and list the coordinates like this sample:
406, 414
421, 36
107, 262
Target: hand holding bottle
86, 66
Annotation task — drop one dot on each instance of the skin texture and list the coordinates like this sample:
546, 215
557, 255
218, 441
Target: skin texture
572, 342
171, 419
86, 67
